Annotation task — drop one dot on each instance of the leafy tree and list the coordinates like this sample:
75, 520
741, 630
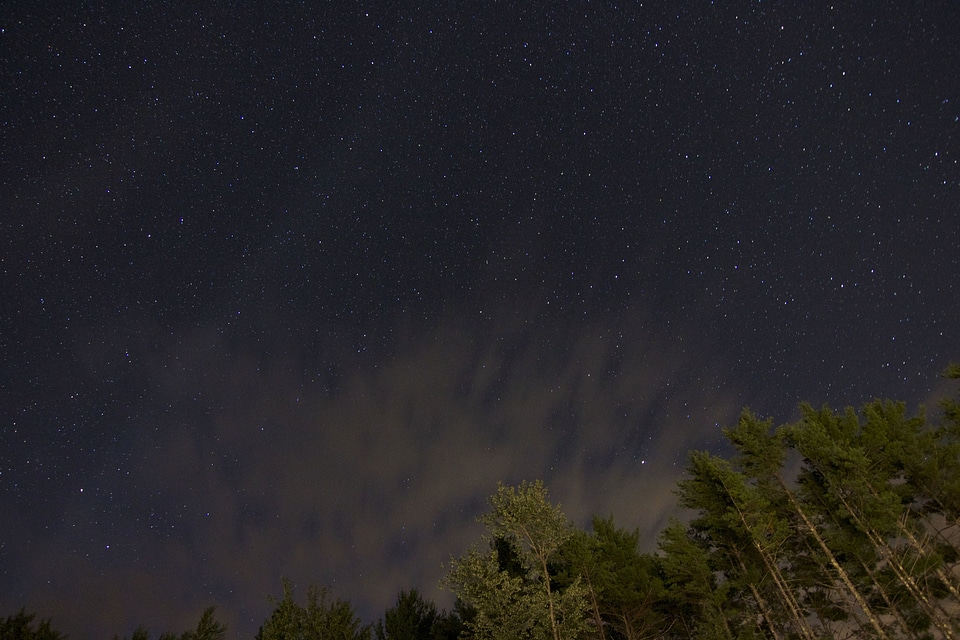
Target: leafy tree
580, 561
452, 625
19, 627
320, 619
506, 606
511, 584
208, 628
411, 618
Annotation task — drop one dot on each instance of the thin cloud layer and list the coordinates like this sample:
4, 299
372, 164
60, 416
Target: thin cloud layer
370, 488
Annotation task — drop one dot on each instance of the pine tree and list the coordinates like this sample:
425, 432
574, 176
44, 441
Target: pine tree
858, 488
623, 585
696, 603
411, 618
761, 452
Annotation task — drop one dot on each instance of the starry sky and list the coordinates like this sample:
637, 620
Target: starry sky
287, 288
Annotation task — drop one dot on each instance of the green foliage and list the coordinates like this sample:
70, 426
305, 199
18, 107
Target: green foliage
862, 540
19, 627
506, 606
524, 518
952, 371
207, 628
842, 524
451, 625
873, 474
623, 585
510, 585
411, 618
694, 598
320, 619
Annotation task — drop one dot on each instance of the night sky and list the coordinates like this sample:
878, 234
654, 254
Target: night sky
286, 288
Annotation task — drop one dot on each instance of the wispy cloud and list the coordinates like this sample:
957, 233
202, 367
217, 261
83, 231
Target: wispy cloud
249, 472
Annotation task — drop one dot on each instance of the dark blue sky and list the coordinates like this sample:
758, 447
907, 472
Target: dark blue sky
287, 289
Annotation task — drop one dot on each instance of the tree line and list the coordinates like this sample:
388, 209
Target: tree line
843, 524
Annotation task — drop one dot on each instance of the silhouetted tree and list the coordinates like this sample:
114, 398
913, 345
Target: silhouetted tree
320, 619
19, 627
208, 628
452, 625
411, 618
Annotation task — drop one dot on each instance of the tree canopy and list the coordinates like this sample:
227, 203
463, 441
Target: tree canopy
842, 524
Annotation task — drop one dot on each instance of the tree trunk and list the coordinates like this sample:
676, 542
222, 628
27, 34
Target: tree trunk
844, 576
786, 594
594, 605
761, 603
902, 573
